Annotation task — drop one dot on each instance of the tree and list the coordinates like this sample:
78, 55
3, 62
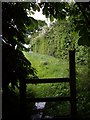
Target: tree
15, 67
80, 13
14, 27
82, 20
16, 23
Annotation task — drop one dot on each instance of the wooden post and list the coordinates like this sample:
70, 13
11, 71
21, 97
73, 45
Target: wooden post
23, 99
72, 83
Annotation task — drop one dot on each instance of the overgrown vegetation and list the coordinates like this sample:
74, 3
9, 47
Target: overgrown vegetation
58, 40
64, 35
57, 67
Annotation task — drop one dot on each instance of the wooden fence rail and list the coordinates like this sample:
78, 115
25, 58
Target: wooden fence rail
48, 80
49, 99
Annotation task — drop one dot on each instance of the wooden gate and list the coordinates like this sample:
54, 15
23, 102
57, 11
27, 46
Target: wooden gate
71, 80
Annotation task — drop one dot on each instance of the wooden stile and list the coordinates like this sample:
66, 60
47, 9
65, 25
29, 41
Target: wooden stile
71, 80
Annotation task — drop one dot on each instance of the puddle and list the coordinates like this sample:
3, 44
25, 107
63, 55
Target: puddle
39, 107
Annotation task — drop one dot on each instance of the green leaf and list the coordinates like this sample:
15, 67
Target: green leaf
51, 18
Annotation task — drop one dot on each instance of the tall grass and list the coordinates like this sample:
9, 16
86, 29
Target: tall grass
50, 67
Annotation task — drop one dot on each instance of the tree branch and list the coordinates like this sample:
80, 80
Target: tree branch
83, 12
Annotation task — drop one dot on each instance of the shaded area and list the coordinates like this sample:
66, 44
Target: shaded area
16, 67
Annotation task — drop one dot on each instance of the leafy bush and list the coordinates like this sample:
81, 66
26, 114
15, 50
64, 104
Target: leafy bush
58, 40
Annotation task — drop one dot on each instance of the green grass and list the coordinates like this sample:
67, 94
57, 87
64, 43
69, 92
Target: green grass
50, 67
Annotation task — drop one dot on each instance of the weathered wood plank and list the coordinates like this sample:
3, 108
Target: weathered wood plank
49, 99
47, 80
72, 83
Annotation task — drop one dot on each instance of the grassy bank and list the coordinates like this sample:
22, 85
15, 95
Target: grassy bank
48, 67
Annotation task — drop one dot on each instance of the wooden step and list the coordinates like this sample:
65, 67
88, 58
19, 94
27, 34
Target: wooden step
48, 99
